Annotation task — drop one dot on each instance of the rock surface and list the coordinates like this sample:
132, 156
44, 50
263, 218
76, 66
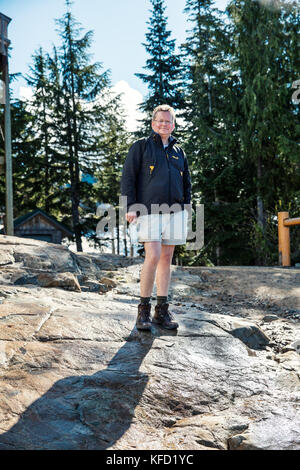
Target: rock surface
76, 374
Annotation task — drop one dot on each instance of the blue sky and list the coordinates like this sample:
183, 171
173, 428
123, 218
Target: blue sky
119, 29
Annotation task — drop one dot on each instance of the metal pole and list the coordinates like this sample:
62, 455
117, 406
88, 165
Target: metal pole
8, 159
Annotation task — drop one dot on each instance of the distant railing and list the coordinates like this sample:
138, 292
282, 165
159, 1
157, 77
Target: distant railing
284, 245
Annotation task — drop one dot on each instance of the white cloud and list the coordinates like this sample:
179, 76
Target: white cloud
130, 99
25, 93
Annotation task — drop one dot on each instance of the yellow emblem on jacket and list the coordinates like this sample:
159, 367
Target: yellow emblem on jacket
151, 168
175, 157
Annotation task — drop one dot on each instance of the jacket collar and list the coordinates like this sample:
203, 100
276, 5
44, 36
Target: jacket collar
156, 137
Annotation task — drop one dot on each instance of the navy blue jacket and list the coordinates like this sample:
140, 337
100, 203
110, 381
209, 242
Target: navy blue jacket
154, 175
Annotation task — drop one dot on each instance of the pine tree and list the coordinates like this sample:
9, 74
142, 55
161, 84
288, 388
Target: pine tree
24, 150
71, 127
164, 66
211, 116
264, 50
80, 110
114, 142
45, 179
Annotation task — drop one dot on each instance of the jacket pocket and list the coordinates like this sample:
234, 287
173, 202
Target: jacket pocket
149, 167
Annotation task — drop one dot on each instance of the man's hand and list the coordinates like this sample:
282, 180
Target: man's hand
131, 217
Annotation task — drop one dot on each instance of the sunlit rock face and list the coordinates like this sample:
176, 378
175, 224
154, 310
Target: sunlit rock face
76, 374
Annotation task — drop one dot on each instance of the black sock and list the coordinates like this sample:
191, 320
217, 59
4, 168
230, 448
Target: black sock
161, 299
145, 300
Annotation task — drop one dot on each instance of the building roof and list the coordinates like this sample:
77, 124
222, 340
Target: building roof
24, 218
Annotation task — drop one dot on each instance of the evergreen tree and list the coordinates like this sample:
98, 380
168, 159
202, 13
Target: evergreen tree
44, 182
80, 109
23, 146
65, 132
265, 49
212, 116
163, 78
240, 125
114, 142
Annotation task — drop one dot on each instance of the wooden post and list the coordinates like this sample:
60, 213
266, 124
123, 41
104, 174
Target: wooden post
284, 240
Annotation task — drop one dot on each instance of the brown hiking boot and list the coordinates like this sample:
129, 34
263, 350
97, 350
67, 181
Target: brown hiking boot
143, 321
164, 318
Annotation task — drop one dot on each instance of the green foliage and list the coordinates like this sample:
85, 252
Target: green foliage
241, 134
231, 85
72, 126
163, 66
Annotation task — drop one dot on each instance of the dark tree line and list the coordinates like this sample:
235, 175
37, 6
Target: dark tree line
231, 85
239, 126
69, 139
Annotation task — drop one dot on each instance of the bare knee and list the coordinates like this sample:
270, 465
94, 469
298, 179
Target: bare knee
165, 259
152, 254
152, 258
166, 255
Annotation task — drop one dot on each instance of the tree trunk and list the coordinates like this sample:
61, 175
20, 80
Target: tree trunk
47, 163
75, 217
113, 250
260, 205
118, 239
74, 176
125, 245
77, 171
260, 211
218, 248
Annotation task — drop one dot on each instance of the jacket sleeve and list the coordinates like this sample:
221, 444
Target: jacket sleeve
130, 173
187, 186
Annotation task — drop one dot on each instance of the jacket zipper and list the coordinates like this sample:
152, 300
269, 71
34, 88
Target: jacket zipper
169, 176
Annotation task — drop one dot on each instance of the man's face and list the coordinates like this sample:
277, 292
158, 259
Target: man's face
163, 124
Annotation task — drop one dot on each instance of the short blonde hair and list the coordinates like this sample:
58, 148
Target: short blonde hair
163, 107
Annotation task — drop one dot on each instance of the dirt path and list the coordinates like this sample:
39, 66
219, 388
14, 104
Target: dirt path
268, 295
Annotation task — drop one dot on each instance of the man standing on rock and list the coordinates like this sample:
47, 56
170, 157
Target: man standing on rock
157, 184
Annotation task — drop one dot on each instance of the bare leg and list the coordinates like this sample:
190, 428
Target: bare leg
163, 272
152, 256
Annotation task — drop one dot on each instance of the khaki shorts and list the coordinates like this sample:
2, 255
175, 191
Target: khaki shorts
169, 229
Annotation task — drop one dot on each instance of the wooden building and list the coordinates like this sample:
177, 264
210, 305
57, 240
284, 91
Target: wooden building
40, 226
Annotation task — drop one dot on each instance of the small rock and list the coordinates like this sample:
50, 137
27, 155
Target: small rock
287, 349
108, 282
103, 288
270, 318
296, 346
90, 286
26, 279
65, 280
169, 422
250, 335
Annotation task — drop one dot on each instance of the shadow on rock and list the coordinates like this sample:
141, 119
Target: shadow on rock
86, 412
